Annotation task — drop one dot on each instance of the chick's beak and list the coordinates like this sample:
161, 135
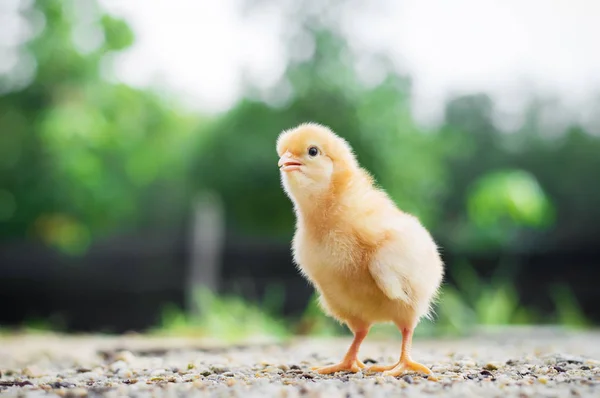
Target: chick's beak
287, 162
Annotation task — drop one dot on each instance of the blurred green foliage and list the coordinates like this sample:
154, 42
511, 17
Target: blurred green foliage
82, 157
226, 318
500, 201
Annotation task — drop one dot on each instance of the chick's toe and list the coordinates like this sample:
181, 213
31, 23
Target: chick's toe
407, 365
345, 366
381, 368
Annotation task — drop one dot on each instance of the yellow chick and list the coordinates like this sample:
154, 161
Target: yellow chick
369, 261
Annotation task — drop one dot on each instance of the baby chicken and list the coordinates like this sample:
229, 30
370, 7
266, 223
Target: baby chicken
369, 261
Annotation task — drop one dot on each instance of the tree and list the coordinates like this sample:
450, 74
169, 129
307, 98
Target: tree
83, 157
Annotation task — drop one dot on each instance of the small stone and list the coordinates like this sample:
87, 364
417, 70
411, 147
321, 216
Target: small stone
570, 359
125, 373
543, 380
407, 379
486, 373
559, 369
491, 366
125, 356
118, 365
61, 384
295, 367
83, 370
230, 382
272, 369
343, 378
560, 378
285, 368
219, 370
45, 387
31, 372
466, 364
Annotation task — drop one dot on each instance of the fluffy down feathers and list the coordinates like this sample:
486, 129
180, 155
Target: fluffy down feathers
369, 261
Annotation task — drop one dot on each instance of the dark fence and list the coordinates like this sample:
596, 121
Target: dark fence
123, 284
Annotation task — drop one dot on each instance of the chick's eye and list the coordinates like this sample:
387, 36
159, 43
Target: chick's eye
313, 151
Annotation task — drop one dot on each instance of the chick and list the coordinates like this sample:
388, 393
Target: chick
369, 261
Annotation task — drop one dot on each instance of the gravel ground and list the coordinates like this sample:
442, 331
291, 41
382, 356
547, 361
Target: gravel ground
510, 363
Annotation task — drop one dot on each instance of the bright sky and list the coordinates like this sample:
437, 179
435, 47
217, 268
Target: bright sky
506, 47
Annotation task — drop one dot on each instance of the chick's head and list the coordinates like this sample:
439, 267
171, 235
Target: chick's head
312, 159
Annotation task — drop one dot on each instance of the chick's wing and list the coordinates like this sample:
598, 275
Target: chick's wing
389, 272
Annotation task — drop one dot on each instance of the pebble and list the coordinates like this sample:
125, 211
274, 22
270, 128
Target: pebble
158, 372
272, 369
230, 382
219, 369
32, 371
118, 365
125, 373
492, 366
125, 356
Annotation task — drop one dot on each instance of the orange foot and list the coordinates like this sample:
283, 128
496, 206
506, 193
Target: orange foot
381, 368
345, 366
406, 365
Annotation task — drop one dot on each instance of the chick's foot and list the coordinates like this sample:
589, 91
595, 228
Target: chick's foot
346, 366
407, 365
381, 368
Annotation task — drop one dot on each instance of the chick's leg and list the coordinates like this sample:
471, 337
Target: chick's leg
406, 364
350, 363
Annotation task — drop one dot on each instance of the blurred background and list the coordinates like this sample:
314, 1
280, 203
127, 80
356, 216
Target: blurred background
139, 189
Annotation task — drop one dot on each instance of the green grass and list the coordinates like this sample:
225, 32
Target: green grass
226, 318
34, 325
